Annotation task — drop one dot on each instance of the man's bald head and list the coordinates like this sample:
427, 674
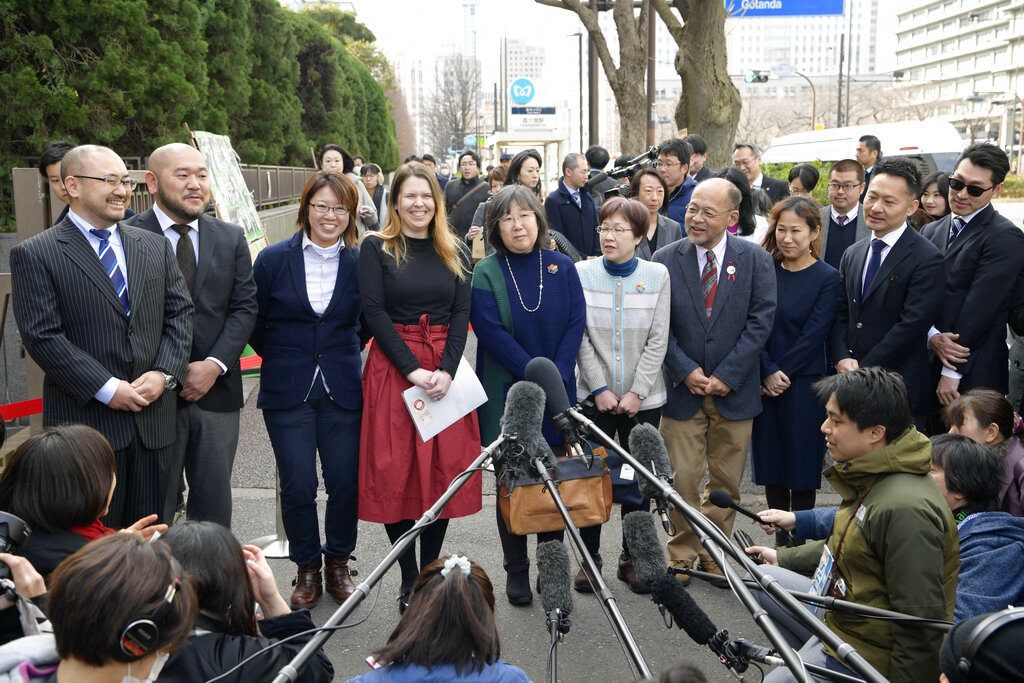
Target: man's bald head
179, 181
713, 208
171, 154
79, 159
720, 190
95, 179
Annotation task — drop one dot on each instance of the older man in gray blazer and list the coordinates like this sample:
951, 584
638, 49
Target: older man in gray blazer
723, 305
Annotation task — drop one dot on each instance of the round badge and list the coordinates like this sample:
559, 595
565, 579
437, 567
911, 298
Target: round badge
731, 270
418, 404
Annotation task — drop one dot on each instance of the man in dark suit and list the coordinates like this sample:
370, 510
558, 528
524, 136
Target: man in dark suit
869, 151
570, 208
214, 259
983, 254
464, 194
723, 304
746, 156
892, 288
104, 311
842, 219
699, 170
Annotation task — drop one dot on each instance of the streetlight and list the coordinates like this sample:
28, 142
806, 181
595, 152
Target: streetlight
761, 76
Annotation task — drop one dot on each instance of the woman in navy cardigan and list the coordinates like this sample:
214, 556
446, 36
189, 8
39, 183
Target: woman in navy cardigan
307, 330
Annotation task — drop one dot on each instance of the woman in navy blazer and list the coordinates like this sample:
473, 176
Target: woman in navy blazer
307, 330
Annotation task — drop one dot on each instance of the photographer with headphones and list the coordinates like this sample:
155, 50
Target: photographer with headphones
984, 649
119, 607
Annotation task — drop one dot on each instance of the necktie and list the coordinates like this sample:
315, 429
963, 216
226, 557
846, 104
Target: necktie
576, 198
709, 283
955, 227
843, 219
874, 263
109, 263
186, 255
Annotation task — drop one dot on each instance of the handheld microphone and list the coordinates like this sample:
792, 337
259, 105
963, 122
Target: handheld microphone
647, 446
670, 594
721, 499
543, 372
521, 423
645, 548
553, 581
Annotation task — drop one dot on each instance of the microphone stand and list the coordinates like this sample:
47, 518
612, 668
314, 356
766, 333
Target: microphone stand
607, 602
290, 672
710, 534
831, 603
558, 623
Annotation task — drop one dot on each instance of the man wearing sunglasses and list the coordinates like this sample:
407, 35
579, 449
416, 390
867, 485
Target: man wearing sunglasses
984, 256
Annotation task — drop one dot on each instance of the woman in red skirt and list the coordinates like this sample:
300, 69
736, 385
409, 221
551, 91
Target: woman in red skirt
414, 280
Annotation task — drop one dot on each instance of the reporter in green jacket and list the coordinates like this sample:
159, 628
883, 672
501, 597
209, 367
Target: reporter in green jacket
893, 540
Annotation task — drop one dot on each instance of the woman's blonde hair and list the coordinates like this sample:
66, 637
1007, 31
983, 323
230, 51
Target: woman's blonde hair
446, 242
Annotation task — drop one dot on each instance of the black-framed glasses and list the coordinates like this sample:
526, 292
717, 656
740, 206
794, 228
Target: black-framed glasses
845, 187
956, 185
320, 207
113, 181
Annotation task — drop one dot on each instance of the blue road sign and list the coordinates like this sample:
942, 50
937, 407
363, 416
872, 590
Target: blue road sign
522, 91
783, 8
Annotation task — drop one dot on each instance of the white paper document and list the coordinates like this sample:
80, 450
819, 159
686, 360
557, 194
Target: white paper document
432, 417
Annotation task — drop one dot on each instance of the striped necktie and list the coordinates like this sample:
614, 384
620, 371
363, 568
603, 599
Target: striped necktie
709, 282
109, 263
956, 225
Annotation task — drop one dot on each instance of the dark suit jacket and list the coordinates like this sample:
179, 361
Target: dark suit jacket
826, 215
889, 326
577, 223
981, 266
293, 339
704, 173
225, 300
73, 326
776, 189
729, 344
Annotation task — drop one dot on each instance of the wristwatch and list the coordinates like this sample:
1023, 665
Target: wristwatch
170, 384
641, 397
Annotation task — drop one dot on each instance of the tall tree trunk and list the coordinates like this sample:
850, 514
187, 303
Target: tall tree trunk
709, 103
627, 78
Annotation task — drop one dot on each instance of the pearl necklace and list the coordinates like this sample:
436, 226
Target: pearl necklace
540, 292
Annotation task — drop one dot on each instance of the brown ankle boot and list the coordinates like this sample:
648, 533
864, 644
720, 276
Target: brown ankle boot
309, 587
339, 578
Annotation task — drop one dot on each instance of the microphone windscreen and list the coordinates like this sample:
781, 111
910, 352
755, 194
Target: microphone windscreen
667, 591
543, 372
644, 546
553, 576
720, 498
595, 179
647, 446
523, 419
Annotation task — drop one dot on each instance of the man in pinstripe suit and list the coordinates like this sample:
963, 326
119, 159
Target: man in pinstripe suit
103, 309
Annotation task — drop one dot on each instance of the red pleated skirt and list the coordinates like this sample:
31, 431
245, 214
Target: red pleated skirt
400, 475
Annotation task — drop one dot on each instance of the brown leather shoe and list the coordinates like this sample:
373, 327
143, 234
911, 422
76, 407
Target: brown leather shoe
681, 570
627, 573
584, 583
309, 587
706, 563
339, 578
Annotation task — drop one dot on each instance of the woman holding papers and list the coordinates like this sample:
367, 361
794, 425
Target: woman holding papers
414, 279
307, 332
527, 302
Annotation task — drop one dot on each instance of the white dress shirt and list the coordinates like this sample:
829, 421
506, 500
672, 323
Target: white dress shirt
756, 185
851, 215
106, 392
890, 239
321, 264
719, 251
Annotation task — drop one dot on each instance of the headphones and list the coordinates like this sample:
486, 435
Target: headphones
982, 632
140, 637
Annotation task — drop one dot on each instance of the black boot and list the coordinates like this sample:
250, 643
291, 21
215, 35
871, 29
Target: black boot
517, 587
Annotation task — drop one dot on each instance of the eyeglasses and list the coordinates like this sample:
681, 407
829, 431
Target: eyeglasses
522, 219
845, 187
667, 164
113, 181
708, 214
322, 208
956, 185
609, 230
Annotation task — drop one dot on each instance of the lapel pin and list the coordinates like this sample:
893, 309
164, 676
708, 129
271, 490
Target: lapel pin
730, 270
553, 268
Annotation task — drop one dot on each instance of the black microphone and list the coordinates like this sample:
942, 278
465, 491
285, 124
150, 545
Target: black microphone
645, 548
598, 177
543, 372
670, 594
721, 499
521, 423
647, 446
553, 582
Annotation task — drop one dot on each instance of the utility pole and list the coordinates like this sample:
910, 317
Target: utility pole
839, 87
651, 89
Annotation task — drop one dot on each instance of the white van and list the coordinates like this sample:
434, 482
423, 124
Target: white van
933, 145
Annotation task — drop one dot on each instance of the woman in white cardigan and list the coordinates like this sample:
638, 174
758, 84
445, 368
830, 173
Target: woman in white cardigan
623, 349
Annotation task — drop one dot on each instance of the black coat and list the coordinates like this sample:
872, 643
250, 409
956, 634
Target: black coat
776, 189
225, 300
889, 326
577, 223
460, 200
210, 652
981, 268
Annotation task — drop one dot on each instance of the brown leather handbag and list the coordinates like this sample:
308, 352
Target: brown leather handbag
528, 508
